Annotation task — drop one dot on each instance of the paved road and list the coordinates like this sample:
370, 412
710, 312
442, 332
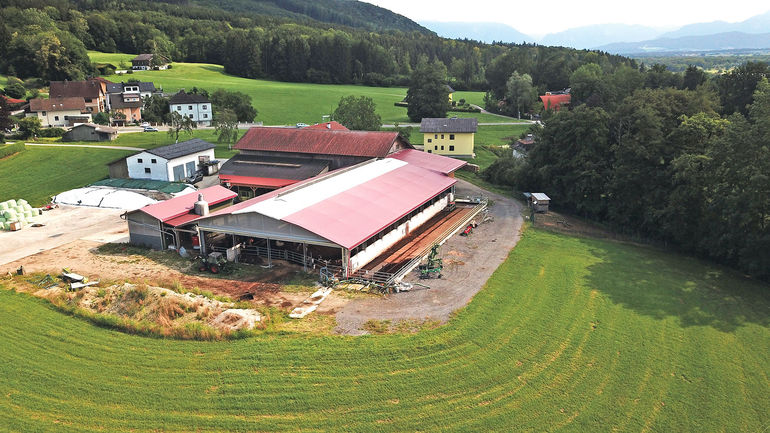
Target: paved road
468, 264
92, 146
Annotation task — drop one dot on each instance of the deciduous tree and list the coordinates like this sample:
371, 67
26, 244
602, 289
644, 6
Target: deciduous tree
358, 113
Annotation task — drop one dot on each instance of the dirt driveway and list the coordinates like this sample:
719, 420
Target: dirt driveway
62, 225
468, 264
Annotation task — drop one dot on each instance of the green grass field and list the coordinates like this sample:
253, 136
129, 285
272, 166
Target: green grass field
569, 334
278, 103
41, 172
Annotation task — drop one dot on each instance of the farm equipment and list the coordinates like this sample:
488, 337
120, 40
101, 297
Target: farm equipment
215, 263
434, 266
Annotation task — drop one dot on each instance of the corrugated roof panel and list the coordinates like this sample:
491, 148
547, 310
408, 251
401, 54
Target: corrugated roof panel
318, 141
182, 205
356, 214
430, 161
301, 198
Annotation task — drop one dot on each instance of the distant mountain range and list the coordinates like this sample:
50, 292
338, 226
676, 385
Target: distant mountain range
484, 32
716, 42
626, 39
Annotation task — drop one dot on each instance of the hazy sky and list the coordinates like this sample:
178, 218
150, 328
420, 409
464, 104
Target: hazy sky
541, 17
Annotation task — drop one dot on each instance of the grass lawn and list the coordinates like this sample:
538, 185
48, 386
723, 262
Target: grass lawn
278, 103
569, 334
41, 172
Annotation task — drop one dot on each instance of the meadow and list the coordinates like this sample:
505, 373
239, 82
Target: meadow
38, 173
569, 334
278, 103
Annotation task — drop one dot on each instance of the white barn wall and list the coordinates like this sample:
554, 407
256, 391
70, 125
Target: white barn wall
392, 237
158, 171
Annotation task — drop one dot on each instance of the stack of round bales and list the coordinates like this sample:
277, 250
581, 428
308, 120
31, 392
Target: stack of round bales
15, 210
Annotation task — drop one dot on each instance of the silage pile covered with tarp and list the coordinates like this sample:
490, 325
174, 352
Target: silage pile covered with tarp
16, 210
111, 198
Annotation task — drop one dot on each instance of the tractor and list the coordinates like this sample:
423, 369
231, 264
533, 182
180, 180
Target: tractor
215, 263
434, 266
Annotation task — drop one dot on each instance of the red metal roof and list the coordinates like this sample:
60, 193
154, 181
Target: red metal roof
183, 205
12, 100
555, 102
353, 216
329, 126
315, 141
430, 161
233, 179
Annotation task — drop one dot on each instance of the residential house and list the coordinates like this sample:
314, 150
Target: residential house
555, 100
90, 132
143, 88
59, 112
449, 136
144, 62
129, 105
193, 105
93, 93
451, 91
174, 162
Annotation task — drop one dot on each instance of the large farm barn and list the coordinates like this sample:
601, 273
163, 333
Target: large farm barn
347, 218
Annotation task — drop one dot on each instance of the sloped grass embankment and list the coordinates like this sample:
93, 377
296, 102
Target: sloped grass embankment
569, 333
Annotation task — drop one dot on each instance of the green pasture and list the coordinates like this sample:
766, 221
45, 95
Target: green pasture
38, 173
569, 334
278, 103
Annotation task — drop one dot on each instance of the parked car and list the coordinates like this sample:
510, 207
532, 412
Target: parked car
145, 124
150, 129
302, 125
195, 177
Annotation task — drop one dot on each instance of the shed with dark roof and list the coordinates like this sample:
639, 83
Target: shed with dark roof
174, 162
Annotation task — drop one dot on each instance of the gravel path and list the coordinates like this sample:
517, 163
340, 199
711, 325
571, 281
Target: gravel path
468, 264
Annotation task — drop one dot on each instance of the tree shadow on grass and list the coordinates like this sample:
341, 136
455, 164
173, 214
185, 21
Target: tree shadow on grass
662, 284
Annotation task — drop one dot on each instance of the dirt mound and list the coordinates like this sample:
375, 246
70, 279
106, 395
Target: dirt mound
163, 307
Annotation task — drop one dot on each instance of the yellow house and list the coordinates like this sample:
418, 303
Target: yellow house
449, 136
450, 90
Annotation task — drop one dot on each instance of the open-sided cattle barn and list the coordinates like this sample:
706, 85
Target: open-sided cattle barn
162, 224
346, 217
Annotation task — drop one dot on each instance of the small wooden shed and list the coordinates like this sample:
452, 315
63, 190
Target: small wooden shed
539, 202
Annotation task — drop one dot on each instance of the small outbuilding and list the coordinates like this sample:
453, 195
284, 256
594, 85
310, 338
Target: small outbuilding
172, 163
539, 202
90, 132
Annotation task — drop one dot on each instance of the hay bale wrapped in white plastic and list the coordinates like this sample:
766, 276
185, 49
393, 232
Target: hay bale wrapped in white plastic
21, 202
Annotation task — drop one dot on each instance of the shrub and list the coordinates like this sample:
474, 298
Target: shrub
51, 132
12, 149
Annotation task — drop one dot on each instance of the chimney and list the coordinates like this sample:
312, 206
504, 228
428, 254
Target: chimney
201, 206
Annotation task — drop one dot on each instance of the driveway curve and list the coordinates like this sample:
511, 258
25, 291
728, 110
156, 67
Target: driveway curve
468, 264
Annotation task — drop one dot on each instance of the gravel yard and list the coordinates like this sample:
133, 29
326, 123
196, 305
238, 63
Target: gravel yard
468, 263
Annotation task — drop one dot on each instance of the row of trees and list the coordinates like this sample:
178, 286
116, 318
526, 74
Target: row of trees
50, 42
661, 163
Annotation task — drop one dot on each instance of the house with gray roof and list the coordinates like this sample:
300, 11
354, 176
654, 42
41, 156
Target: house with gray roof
452, 136
172, 163
193, 105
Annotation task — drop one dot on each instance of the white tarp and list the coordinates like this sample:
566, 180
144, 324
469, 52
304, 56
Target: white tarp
104, 197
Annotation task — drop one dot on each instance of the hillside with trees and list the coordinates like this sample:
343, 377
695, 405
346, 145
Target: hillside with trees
677, 158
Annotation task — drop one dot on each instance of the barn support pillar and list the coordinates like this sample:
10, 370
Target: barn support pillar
269, 256
345, 262
304, 256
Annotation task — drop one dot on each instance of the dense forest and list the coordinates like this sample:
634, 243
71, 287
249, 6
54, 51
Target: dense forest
49, 39
680, 158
